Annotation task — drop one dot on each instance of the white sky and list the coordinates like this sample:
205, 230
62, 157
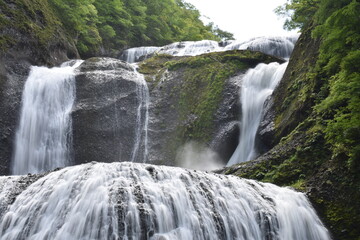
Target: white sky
244, 18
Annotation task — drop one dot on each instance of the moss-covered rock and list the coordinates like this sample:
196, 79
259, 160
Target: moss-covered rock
194, 98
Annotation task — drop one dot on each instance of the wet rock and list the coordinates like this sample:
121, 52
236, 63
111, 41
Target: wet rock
266, 131
105, 111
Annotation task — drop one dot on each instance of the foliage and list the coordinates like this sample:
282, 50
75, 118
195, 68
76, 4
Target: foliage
331, 163
117, 24
339, 62
34, 19
223, 35
336, 70
297, 12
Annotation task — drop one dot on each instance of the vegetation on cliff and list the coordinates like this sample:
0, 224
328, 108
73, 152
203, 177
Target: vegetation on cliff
317, 107
30, 30
114, 25
104, 27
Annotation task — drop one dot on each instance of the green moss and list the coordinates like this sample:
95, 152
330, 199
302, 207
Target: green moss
203, 87
343, 220
32, 17
153, 68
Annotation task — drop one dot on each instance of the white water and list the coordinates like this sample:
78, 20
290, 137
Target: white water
278, 46
142, 119
258, 84
137, 201
134, 54
44, 133
190, 48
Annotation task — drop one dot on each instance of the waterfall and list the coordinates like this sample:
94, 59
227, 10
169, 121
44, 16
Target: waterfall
190, 48
277, 46
142, 119
258, 84
138, 201
44, 133
132, 55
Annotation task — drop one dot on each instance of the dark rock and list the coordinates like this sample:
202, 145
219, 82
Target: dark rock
165, 119
105, 111
289, 108
266, 131
226, 140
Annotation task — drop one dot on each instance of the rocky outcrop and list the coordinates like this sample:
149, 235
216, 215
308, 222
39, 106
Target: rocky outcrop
196, 99
191, 99
170, 128
105, 111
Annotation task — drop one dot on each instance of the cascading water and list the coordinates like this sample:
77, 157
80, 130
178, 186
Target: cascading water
137, 201
258, 84
44, 133
134, 54
190, 48
277, 46
186, 48
142, 119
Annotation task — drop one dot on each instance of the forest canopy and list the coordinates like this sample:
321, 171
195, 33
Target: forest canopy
117, 24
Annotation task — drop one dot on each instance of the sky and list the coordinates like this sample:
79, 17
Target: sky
244, 18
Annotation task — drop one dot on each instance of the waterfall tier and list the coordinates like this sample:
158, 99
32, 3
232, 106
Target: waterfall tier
137, 201
258, 84
44, 135
277, 46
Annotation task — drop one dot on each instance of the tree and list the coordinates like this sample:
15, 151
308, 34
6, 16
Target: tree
297, 12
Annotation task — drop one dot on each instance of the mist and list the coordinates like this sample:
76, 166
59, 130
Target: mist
196, 156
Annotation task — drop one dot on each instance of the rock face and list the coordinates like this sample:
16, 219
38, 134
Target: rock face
168, 125
22, 44
105, 111
12, 78
266, 129
196, 99
191, 99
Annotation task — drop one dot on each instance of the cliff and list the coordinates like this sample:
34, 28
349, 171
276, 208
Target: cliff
301, 155
196, 100
193, 100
